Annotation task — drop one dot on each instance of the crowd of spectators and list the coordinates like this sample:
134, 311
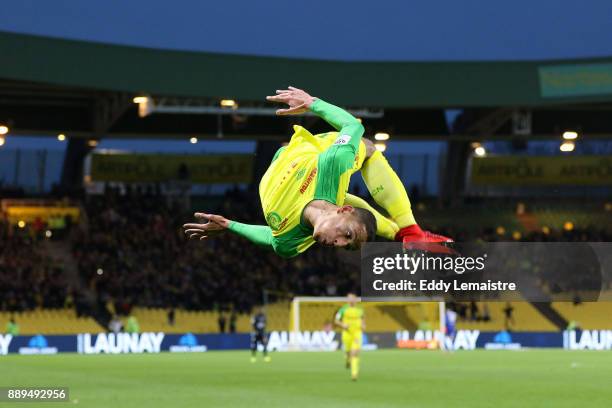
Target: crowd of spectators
130, 250
134, 252
29, 277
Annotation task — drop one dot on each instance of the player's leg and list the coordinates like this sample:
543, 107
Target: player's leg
264, 343
355, 351
449, 341
385, 186
384, 226
347, 344
253, 347
387, 190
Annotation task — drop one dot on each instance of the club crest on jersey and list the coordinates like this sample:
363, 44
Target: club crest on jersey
275, 221
342, 140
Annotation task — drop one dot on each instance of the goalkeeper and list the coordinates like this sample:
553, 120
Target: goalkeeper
304, 191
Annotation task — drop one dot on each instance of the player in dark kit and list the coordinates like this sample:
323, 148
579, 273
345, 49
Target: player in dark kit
258, 336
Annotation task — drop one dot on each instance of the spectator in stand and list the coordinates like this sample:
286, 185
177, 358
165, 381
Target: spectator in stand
509, 316
132, 325
232, 322
221, 321
115, 325
171, 317
474, 311
12, 327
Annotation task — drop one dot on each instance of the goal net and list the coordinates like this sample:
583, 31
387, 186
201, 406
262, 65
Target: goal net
420, 323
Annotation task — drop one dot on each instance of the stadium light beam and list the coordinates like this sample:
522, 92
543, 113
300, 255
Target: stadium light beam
140, 99
193, 140
567, 147
4, 130
381, 147
228, 103
381, 136
480, 151
2, 140
570, 135
61, 137
92, 143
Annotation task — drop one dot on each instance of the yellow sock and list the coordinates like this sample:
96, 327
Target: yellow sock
384, 226
387, 189
354, 367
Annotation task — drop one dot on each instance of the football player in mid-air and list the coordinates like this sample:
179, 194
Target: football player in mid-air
304, 191
352, 322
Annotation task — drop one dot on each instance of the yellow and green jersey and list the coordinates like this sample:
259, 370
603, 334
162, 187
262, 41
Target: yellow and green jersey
352, 316
308, 168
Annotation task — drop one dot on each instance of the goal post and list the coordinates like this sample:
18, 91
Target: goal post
311, 313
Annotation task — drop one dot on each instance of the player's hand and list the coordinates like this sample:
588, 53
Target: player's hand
210, 225
299, 101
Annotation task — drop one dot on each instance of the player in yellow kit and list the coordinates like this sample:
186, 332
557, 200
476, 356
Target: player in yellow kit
304, 191
351, 319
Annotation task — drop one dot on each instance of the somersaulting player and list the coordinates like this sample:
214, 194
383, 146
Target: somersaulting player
304, 191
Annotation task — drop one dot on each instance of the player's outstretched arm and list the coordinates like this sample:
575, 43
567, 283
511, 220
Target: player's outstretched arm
212, 224
300, 101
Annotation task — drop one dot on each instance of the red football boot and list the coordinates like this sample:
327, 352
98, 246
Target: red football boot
413, 237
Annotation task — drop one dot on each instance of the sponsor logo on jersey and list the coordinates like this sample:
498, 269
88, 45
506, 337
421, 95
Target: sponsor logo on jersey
342, 140
377, 190
308, 180
300, 173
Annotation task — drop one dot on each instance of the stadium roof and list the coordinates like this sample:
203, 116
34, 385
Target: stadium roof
49, 84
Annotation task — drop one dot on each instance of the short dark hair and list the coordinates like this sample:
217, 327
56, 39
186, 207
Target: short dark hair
369, 221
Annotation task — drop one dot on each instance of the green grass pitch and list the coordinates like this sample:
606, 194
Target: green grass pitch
389, 378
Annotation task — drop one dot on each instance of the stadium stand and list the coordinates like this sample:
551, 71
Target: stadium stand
525, 317
131, 258
51, 321
587, 315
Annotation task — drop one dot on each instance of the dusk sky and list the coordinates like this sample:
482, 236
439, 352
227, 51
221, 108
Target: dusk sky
341, 29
